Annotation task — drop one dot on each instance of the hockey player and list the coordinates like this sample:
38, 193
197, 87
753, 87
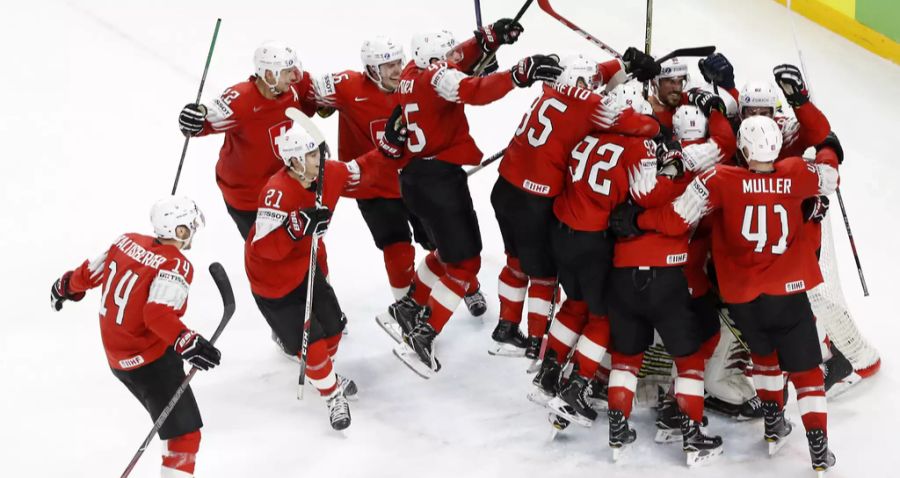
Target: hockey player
251, 115
145, 282
433, 92
596, 181
276, 258
764, 270
532, 174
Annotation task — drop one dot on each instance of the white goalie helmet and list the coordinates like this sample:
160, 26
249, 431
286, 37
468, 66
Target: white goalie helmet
427, 46
689, 123
578, 67
169, 213
759, 139
757, 94
296, 143
378, 51
275, 56
630, 95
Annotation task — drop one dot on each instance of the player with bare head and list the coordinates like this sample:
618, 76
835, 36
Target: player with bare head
765, 267
251, 116
145, 281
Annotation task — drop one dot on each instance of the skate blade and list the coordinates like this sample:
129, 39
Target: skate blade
702, 457
598, 404
539, 397
501, 349
409, 357
533, 367
820, 473
559, 423
559, 407
776, 445
390, 326
667, 436
618, 452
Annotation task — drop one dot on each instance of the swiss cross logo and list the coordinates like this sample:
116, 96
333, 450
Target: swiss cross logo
275, 133
376, 129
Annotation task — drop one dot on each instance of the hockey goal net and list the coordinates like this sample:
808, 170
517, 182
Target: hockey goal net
829, 305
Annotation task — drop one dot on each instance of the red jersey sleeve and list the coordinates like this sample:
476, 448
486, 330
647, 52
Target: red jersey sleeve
612, 73
373, 168
721, 133
89, 274
306, 94
167, 299
469, 53
224, 113
804, 177
699, 199
814, 126
453, 85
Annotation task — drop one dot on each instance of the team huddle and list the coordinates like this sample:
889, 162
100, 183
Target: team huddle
676, 223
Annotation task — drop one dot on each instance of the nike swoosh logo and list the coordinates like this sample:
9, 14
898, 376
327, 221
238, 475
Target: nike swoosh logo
360, 99
256, 109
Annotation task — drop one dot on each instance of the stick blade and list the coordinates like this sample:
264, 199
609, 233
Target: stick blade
220, 277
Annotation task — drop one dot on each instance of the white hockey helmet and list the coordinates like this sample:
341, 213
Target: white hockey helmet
578, 67
169, 213
296, 143
630, 95
689, 123
757, 94
428, 46
672, 68
759, 139
378, 51
275, 56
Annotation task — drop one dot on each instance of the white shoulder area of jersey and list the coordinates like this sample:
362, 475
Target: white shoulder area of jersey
96, 265
693, 204
267, 220
446, 83
642, 178
168, 288
828, 179
324, 88
219, 109
702, 156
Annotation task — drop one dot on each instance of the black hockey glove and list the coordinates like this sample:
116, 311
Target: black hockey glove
815, 208
716, 69
60, 292
790, 80
832, 141
640, 64
393, 141
309, 221
491, 66
502, 32
705, 101
191, 119
325, 111
536, 68
670, 158
196, 350
623, 220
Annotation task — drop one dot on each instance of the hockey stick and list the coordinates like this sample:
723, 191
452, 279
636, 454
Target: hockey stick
479, 68
478, 13
187, 139
299, 118
545, 6
648, 28
862, 277
486, 162
220, 277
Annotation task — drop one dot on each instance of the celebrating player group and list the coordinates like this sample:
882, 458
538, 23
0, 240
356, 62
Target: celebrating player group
651, 232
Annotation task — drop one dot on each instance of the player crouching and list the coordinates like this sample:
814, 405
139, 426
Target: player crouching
140, 322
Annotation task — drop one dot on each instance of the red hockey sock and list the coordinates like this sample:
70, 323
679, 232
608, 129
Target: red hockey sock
768, 379
511, 288
319, 369
566, 328
450, 289
399, 262
810, 385
592, 345
689, 385
181, 452
540, 295
623, 381
427, 275
332, 343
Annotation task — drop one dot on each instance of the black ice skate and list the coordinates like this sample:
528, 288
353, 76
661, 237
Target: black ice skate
620, 434
571, 403
668, 421
838, 369
699, 448
822, 458
777, 428
533, 348
417, 350
597, 394
338, 409
508, 340
546, 381
475, 303
401, 317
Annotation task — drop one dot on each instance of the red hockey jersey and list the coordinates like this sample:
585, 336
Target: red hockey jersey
145, 290
251, 122
364, 109
758, 242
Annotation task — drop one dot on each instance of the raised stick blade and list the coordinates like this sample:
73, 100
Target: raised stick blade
694, 51
220, 277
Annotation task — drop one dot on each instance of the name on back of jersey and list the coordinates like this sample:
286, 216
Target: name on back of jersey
767, 185
138, 253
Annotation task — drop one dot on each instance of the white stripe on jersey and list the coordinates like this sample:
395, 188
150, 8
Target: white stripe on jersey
267, 220
168, 288
446, 83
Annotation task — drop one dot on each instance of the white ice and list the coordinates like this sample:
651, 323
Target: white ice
88, 123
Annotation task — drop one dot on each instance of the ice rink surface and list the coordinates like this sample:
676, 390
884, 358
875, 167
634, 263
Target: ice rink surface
92, 91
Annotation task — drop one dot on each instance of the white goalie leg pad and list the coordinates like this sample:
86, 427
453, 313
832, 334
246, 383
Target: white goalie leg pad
167, 472
723, 378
